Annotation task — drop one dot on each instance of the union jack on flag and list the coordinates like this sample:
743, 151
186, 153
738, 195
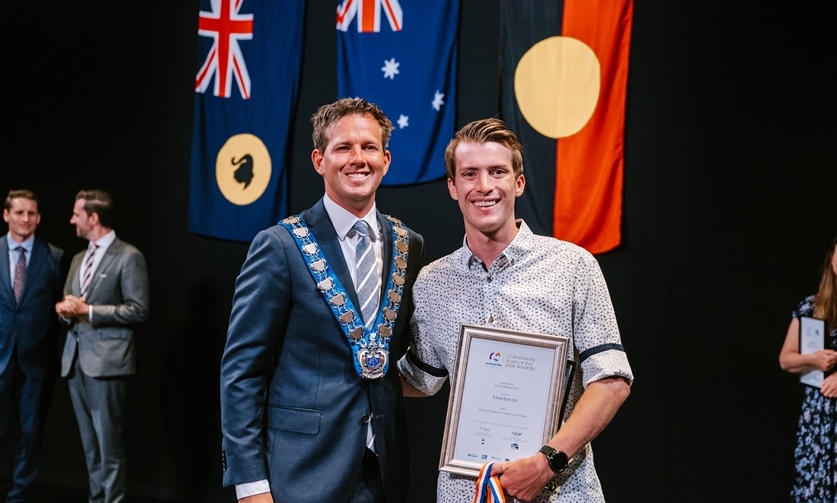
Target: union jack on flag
368, 13
226, 27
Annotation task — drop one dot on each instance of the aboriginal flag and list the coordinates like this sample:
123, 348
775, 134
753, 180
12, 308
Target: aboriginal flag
402, 57
250, 53
564, 72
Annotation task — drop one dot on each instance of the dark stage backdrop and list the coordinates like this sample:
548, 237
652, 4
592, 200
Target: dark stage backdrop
729, 207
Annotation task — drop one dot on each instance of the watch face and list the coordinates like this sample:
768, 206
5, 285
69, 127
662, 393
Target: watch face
558, 461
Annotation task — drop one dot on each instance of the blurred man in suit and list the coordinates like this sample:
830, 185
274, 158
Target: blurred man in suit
311, 403
31, 277
105, 296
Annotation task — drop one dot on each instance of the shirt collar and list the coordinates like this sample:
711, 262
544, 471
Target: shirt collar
105, 241
519, 246
343, 221
27, 244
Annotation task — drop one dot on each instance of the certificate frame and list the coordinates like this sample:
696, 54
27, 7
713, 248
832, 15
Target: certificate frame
490, 416
811, 339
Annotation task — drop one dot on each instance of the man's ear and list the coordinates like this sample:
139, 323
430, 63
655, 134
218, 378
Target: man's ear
452, 189
317, 161
520, 183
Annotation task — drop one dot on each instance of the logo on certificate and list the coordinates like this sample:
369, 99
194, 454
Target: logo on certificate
494, 359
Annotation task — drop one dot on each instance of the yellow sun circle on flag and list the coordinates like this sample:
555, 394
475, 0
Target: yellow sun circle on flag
557, 83
242, 169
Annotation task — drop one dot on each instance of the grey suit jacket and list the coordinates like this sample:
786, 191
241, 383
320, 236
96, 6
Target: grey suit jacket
119, 295
29, 327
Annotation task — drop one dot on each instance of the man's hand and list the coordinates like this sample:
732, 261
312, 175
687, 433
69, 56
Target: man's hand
257, 498
524, 478
408, 390
72, 307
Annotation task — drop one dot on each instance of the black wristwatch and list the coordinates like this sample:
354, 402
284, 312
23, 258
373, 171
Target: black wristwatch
557, 460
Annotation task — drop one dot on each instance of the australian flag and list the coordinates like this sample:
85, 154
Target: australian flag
250, 53
402, 57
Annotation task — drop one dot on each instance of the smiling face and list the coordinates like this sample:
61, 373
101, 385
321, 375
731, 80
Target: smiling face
83, 222
353, 163
23, 218
485, 187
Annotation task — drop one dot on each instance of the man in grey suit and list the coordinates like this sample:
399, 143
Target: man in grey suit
31, 276
311, 402
105, 296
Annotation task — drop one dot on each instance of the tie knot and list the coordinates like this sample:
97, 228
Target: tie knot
361, 228
20, 249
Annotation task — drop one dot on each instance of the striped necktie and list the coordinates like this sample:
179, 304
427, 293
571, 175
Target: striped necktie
368, 279
20, 273
88, 268
368, 285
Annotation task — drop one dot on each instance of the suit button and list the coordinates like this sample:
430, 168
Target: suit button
364, 419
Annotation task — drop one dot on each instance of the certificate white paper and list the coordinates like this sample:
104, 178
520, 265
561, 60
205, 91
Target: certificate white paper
506, 397
811, 339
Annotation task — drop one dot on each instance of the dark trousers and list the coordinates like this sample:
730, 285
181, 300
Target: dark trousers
369, 487
27, 399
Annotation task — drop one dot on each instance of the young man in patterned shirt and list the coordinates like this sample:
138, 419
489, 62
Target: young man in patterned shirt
506, 277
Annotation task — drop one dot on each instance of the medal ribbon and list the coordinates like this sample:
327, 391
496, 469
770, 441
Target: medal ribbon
488, 488
370, 347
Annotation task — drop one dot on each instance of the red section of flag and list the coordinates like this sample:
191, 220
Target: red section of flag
590, 163
368, 14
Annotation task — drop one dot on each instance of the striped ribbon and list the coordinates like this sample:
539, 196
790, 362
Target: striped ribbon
488, 488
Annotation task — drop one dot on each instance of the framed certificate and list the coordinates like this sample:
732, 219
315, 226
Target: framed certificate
811, 339
507, 397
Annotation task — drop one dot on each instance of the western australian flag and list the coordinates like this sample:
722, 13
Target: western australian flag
402, 57
250, 53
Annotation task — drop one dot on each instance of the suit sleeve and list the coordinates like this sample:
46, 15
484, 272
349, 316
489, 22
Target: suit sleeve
258, 321
73, 271
59, 276
132, 308
59, 272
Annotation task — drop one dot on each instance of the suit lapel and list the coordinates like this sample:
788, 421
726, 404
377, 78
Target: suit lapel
75, 267
110, 255
5, 278
321, 227
36, 261
40, 254
323, 230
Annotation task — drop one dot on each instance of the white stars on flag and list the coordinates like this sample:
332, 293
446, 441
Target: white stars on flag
438, 101
390, 68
